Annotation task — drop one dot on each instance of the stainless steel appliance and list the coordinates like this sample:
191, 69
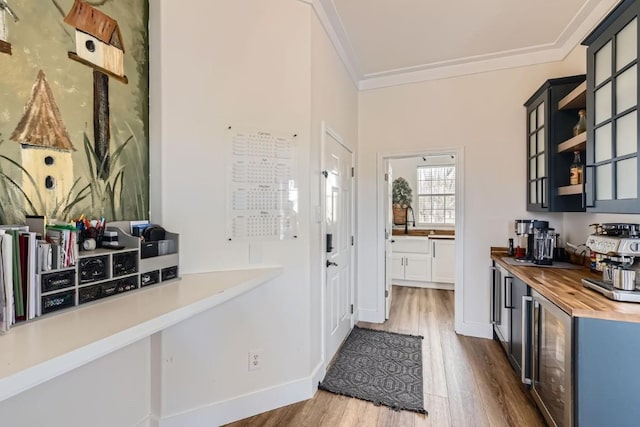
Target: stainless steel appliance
615, 249
551, 368
544, 242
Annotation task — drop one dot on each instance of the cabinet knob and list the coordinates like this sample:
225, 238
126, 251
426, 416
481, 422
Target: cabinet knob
330, 263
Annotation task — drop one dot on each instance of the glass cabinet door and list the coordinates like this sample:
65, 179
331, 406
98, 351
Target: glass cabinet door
612, 153
537, 167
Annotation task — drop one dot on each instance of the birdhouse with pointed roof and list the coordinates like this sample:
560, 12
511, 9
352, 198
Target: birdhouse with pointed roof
5, 46
98, 39
45, 149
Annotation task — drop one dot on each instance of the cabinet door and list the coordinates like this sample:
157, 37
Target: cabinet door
548, 166
612, 117
397, 266
537, 178
518, 289
443, 264
417, 267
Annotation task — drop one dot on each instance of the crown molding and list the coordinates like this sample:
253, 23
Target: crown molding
335, 31
584, 21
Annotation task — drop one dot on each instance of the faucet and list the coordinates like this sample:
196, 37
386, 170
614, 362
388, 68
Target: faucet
406, 222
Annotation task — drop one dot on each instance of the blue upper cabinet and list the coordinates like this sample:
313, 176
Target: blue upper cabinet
551, 145
612, 179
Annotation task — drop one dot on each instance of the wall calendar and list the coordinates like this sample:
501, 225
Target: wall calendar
262, 203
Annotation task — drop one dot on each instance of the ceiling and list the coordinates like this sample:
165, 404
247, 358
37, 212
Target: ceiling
389, 42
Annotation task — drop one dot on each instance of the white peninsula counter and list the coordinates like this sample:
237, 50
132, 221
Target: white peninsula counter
40, 350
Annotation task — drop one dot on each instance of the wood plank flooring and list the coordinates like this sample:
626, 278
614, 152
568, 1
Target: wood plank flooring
467, 381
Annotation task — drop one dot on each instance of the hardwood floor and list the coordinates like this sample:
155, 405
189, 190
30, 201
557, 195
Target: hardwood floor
467, 381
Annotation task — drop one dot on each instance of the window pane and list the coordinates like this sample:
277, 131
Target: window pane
626, 89
603, 63
603, 182
627, 179
627, 134
533, 149
627, 44
533, 199
603, 103
541, 168
541, 141
532, 121
436, 194
603, 143
532, 168
540, 114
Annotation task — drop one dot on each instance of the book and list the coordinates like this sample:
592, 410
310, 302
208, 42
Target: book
7, 275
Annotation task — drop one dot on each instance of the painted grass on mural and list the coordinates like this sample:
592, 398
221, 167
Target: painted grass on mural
96, 198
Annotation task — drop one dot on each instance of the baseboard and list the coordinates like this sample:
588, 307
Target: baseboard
478, 330
370, 316
147, 421
318, 375
425, 285
247, 405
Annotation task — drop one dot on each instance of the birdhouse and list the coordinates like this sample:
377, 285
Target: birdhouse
5, 46
45, 149
98, 39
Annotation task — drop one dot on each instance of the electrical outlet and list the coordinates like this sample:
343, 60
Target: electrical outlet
255, 360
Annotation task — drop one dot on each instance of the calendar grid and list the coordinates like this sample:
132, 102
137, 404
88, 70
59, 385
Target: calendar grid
263, 199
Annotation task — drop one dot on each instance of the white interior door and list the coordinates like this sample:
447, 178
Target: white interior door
338, 220
388, 249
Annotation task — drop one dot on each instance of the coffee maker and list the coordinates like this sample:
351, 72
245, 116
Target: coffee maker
524, 233
544, 243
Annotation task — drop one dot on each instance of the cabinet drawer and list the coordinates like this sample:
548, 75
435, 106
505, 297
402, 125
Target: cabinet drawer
411, 244
56, 281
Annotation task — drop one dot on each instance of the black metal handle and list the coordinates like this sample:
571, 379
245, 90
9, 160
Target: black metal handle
330, 263
510, 306
329, 242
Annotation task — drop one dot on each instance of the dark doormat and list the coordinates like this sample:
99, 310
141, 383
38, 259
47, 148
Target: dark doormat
381, 367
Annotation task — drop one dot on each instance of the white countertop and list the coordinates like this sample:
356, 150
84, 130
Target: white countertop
40, 350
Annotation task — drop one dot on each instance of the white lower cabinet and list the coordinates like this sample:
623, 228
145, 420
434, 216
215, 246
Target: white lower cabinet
420, 259
443, 260
411, 266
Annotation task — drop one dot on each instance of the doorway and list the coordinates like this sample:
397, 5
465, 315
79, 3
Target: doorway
337, 228
434, 215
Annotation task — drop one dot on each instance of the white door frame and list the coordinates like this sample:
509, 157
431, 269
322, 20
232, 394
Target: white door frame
459, 227
327, 130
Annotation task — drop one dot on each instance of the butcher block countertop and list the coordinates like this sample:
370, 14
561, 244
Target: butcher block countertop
564, 288
423, 232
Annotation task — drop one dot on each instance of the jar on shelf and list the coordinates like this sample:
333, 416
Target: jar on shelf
581, 126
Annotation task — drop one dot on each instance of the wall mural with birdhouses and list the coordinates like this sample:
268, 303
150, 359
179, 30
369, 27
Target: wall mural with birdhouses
74, 109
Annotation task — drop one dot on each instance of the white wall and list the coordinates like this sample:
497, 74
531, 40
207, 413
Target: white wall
240, 63
111, 391
334, 101
482, 113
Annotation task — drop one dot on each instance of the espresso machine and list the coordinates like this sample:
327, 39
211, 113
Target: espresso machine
615, 247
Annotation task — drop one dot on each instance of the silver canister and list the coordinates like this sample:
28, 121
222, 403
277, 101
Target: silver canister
624, 279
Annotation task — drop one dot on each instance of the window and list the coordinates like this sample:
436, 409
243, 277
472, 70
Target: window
437, 195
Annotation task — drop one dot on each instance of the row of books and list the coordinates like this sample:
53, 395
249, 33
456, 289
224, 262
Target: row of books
24, 255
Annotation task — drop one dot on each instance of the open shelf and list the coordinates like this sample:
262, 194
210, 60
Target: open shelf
577, 98
578, 142
569, 190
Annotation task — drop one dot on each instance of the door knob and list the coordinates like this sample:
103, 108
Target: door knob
330, 263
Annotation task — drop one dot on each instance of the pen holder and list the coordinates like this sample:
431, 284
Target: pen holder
91, 233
